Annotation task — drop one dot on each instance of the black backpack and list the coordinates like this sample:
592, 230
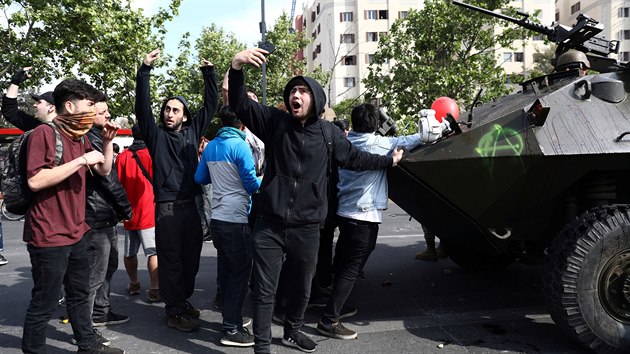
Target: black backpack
17, 194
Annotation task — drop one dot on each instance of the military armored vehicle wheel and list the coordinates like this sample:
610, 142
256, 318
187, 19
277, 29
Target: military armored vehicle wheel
587, 279
475, 261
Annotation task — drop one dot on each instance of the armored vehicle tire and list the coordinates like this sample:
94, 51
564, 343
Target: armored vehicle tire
587, 279
476, 262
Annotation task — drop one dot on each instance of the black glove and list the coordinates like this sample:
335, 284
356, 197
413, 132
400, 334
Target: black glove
19, 77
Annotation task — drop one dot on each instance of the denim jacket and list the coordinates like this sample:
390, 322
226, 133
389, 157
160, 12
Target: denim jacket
361, 191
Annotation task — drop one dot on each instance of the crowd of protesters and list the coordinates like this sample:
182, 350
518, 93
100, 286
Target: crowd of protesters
282, 179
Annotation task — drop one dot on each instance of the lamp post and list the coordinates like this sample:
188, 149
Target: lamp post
263, 31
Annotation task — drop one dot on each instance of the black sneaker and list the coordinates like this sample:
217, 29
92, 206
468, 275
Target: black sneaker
183, 322
111, 319
99, 348
218, 302
192, 311
99, 338
347, 311
300, 341
3, 260
335, 330
238, 338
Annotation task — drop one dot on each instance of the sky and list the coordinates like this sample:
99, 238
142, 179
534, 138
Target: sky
240, 17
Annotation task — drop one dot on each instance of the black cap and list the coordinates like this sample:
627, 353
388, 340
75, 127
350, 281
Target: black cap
46, 96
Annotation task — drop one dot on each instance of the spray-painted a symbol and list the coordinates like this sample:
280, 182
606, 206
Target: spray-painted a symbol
500, 139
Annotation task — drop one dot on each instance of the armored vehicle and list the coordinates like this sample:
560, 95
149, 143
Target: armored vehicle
546, 176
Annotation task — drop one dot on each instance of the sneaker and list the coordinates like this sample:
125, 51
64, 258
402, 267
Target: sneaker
99, 338
335, 330
153, 295
3, 260
238, 338
111, 319
300, 341
207, 237
99, 348
192, 311
134, 288
183, 322
427, 255
246, 321
218, 302
347, 311
278, 318
317, 301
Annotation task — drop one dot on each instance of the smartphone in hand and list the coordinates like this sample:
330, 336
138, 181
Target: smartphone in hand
268, 46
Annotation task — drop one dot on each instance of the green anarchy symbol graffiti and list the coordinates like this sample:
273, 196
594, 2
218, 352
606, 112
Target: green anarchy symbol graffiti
500, 139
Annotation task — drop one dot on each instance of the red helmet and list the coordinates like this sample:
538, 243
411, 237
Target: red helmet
443, 105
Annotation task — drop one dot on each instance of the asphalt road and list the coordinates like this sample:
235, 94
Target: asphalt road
405, 306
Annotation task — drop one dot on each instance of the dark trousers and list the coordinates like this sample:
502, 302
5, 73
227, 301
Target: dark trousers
102, 244
178, 240
234, 247
357, 240
271, 243
51, 267
323, 272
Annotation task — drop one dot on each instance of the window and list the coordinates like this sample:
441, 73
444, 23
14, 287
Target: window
369, 59
371, 14
345, 16
624, 12
623, 34
348, 82
575, 8
314, 55
403, 14
557, 16
382, 14
314, 34
318, 49
372, 36
349, 60
318, 8
624, 56
319, 28
347, 38
519, 57
507, 57
312, 16
539, 37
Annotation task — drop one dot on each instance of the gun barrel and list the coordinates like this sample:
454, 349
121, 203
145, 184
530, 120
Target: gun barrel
485, 11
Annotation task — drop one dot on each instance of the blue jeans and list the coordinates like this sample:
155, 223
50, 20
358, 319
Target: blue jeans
234, 248
102, 247
51, 267
178, 239
357, 240
271, 243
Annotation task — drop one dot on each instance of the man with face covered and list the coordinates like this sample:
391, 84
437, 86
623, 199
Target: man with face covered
293, 192
55, 224
173, 146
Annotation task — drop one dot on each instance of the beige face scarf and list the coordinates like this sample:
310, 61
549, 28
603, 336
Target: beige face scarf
75, 125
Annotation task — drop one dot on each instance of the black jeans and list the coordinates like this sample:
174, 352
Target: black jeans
51, 267
234, 247
271, 243
103, 255
178, 240
357, 240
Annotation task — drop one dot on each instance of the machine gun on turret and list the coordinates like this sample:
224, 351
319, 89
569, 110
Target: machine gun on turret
583, 36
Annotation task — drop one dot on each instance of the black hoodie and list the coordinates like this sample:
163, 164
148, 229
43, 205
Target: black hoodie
294, 187
174, 153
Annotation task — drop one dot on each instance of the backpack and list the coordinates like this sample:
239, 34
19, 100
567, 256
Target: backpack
17, 194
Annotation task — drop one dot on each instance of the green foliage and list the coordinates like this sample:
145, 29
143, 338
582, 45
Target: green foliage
543, 62
102, 40
441, 50
344, 108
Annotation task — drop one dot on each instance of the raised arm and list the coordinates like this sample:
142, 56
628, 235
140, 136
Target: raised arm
10, 110
210, 99
144, 115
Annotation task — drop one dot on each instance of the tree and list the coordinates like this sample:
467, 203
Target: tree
543, 61
441, 50
103, 41
344, 108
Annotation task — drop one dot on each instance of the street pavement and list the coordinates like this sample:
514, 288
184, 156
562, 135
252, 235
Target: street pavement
405, 306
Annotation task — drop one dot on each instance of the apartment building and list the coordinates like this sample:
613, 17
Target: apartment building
345, 35
613, 14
